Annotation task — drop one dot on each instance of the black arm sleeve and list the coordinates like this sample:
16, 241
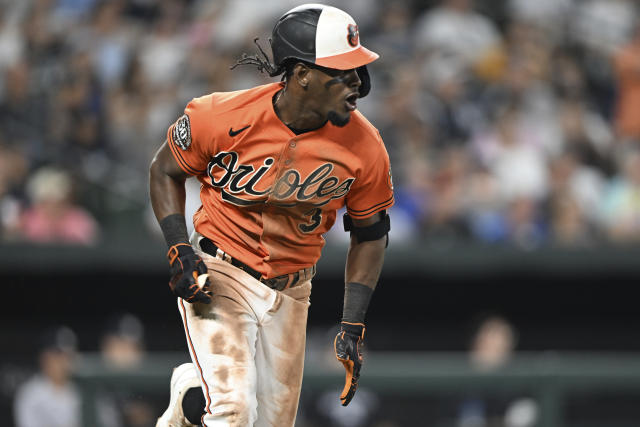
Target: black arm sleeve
174, 228
356, 302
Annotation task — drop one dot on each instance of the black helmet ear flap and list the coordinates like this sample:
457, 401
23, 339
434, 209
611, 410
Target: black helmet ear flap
365, 80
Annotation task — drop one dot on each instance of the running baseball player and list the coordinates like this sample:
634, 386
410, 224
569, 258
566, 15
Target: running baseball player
275, 162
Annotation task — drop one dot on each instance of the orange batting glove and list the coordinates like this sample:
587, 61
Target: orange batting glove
347, 348
186, 266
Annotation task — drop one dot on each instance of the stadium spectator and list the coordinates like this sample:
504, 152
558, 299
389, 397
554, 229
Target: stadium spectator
455, 38
23, 114
627, 65
602, 25
513, 152
444, 222
50, 398
621, 200
13, 169
486, 218
122, 349
492, 347
548, 15
574, 199
53, 216
122, 343
83, 84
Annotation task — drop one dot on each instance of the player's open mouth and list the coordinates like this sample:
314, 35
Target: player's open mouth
350, 101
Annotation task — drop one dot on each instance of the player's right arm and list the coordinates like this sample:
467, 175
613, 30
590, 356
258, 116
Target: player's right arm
167, 191
166, 185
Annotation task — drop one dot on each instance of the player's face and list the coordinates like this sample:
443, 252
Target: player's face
335, 93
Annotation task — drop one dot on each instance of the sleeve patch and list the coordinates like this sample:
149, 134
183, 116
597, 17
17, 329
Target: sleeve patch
181, 133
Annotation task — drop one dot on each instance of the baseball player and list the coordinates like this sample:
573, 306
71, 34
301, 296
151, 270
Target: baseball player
275, 163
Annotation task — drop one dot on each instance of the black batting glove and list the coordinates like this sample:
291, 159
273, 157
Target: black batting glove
186, 266
347, 347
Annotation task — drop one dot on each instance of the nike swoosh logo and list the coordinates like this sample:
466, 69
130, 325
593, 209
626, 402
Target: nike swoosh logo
235, 132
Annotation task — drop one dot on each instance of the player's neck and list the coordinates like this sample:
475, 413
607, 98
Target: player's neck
295, 113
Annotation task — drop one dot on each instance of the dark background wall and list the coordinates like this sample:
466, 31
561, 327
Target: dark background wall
426, 299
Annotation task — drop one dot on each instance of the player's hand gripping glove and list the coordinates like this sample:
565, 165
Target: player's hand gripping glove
347, 347
186, 266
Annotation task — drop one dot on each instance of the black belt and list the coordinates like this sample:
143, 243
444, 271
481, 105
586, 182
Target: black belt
278, 283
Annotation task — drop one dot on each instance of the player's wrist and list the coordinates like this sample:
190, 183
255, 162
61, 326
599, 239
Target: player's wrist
356, 302
174, 229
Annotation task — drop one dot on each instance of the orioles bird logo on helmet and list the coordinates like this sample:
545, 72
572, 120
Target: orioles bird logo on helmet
352, 35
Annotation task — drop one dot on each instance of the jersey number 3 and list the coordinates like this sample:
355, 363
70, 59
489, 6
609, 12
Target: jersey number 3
315, 220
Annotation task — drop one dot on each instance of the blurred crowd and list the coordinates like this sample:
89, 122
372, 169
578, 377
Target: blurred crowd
52, 393
507, 121
52, 396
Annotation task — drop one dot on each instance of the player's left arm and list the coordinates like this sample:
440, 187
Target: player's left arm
367, 221
364, 264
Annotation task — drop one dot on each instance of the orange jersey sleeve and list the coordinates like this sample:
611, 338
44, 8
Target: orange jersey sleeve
372, 191
191, 138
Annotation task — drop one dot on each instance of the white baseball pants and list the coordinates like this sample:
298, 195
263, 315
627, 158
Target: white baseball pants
248, 346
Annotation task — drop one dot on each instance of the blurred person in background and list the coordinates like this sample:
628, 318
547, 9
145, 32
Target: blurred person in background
394, 22
527, 228
122, 343
573, 202
484, 206
109, 36
455, 36
404, 123
600, 28
602, 25
567, 78
550, 16
78, 118
525, 85
444, 222
620, 208
122, 349
81, 79
627, 67
513, 154
23, 113
50, 398
13, 170
586, 134
568, 225
162, 55
11, 41
492, 346
53, 216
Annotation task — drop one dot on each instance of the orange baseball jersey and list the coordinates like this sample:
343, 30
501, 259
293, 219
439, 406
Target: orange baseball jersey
268, 194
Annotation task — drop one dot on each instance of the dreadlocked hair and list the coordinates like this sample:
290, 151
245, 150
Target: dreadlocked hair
263, 63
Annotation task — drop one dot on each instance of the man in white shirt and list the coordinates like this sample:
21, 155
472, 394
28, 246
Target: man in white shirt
50, 398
